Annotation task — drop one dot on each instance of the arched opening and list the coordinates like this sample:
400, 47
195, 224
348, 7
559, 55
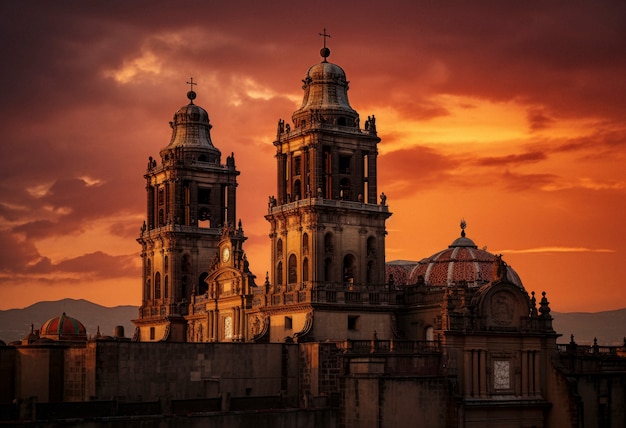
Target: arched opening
202, 158
279, 248
148, 289
203, 287
166, 264
328, 269
341, 121
293, 270
279, 273
297, 191
305, 243
349, 263
371, 247
166, 287
328, 243
161, 218
157, 285
305, 270
183, 286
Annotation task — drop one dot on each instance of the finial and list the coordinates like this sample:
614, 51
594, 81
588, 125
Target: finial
325, 52
463, 226
191, 94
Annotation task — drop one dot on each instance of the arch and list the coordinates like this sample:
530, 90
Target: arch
328, 269
157, 285
305, 270
371, 246
349, 268
279, 273
166, 264
293, 270
329, 245
166, 287
305, 243
203, 287
148, 289
297, 190
279, 248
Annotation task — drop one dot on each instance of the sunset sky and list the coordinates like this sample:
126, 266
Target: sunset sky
510, 115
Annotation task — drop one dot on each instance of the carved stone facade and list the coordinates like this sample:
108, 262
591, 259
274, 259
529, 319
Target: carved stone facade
193, 263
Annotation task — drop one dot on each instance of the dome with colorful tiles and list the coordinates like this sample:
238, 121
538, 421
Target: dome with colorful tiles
462, 261
63, 328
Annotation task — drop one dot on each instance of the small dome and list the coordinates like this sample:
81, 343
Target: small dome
63, 328
461, 261
325, 97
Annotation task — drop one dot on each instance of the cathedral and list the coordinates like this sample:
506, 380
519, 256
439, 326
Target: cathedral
333, 335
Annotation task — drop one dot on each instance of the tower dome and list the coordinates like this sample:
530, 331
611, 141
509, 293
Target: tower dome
325, 96
461, 261
63, 328
191, 131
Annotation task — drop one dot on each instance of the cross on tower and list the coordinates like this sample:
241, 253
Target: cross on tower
191, 94
324, 35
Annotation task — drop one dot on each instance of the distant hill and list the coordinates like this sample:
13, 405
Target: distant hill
609, 327
15, 323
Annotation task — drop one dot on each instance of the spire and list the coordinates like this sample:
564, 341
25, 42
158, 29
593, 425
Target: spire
463, 226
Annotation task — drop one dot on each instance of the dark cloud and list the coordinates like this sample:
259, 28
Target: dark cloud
511, 160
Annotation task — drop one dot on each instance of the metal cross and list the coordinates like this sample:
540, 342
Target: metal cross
190, 83
324, 35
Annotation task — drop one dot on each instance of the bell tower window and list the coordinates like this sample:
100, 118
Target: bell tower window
157, 285
293, 269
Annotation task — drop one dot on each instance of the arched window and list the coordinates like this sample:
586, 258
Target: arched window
148, 289
166, 287
328, 243
279, 273
157, 285
371, 247
293, 270
305, 243
349, 263
165, 264
186, 264
279, 248
328, 269
183, 286
161, 218
305, 269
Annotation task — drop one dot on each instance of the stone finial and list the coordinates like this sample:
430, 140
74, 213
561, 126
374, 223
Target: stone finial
544, 308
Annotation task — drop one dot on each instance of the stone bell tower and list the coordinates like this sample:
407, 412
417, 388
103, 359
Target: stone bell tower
191, 198
327, 222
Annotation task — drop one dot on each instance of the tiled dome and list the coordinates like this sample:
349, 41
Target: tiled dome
63, 328
461, 261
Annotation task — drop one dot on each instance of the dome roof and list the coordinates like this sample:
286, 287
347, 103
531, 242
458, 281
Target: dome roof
461, 261
63, 328
325, 95
191, 131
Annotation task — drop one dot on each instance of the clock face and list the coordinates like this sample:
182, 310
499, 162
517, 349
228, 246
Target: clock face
225, 254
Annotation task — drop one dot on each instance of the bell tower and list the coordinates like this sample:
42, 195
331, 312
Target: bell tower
327, 224
191, 199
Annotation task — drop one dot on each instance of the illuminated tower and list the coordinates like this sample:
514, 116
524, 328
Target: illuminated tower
191, 200
327, 221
